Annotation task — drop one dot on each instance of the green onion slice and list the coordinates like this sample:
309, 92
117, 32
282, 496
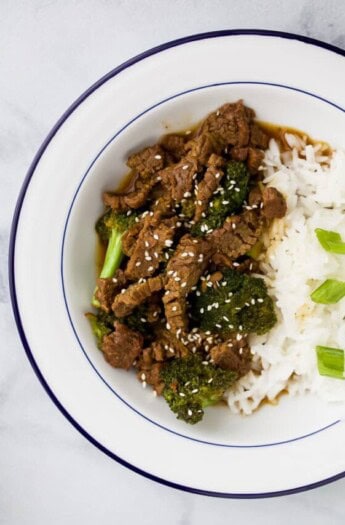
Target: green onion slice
330, 292
330, 241
330, 361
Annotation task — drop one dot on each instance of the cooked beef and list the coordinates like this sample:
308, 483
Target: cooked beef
237, 235
254, 159
178, 178
201, 147
147, 161
108, 288
229, 125
274, 204
232, 355
155, 236
122, 347
135, 295
207, 186
184, 269
258, 137
174, 145
130, 237
132, 200
239, 154
151, 375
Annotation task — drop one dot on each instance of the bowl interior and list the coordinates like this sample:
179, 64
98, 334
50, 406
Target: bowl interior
292, 418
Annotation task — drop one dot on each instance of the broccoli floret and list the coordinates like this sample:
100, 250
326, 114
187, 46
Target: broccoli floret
101, 324
191, 385
188, 208
237, 303
110, 228
228, 199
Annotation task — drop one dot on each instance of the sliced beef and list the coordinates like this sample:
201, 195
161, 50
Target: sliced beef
162, 201
155, 236
208, 185
184, 269
134, 199
108, 288
254, 159
174, 145
147, 161
130, 237
201, 147
135, 295
237, 235
232, 355
151, 376
122, 347
229, 125
274, 204
258, 137
179, 177
239, 154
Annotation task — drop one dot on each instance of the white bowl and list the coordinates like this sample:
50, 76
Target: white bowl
288, 80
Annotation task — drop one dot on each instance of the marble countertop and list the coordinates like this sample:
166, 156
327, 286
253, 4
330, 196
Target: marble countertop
51, 51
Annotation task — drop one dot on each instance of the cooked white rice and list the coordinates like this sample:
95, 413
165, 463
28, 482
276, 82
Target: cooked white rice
294, 265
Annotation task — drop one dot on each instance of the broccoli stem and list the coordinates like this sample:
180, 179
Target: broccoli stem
113, 255
112, 260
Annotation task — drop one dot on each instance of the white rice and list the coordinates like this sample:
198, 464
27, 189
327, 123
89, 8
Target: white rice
294, 265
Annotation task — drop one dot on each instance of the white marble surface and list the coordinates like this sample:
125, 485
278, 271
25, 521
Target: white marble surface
51, 51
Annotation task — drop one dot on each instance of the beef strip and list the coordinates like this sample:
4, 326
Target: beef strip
151, 376
148, 161
174, 145
132, 200
254, 159
108, 288
232, 355
208, 185
179, 177
184, 269
274, 204
229, 125
201, 147
237, 235
122, 347
258, 137
156, 235
124, 303
130, 237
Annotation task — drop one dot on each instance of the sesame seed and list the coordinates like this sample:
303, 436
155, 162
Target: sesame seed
195, 391
168, 326
150, 269
252, 301
218, 325
129, 213
148, 258
168, 243
154, 392
204, 363
123, 290
158, 157
185, 167
178, 332
183, 285
143, 377
235, 264
260, 300
114, 280
217, 175
182, 394
238, 337
210, 380
187, 194
138, 263
237, 189
184, 254
202, 310
155, 236
190, 413
225, 318
199, 202
188, 132
247, 304
177, 279
158, 178
143, 320
233, 226
225, 202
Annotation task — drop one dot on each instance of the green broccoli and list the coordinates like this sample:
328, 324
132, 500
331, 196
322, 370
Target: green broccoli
192, 384
137, 320
237, 303
110, 228
228, 198
101, 324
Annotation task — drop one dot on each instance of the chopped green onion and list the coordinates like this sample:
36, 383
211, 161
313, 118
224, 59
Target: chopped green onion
330, 361
330, 241
330, 292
